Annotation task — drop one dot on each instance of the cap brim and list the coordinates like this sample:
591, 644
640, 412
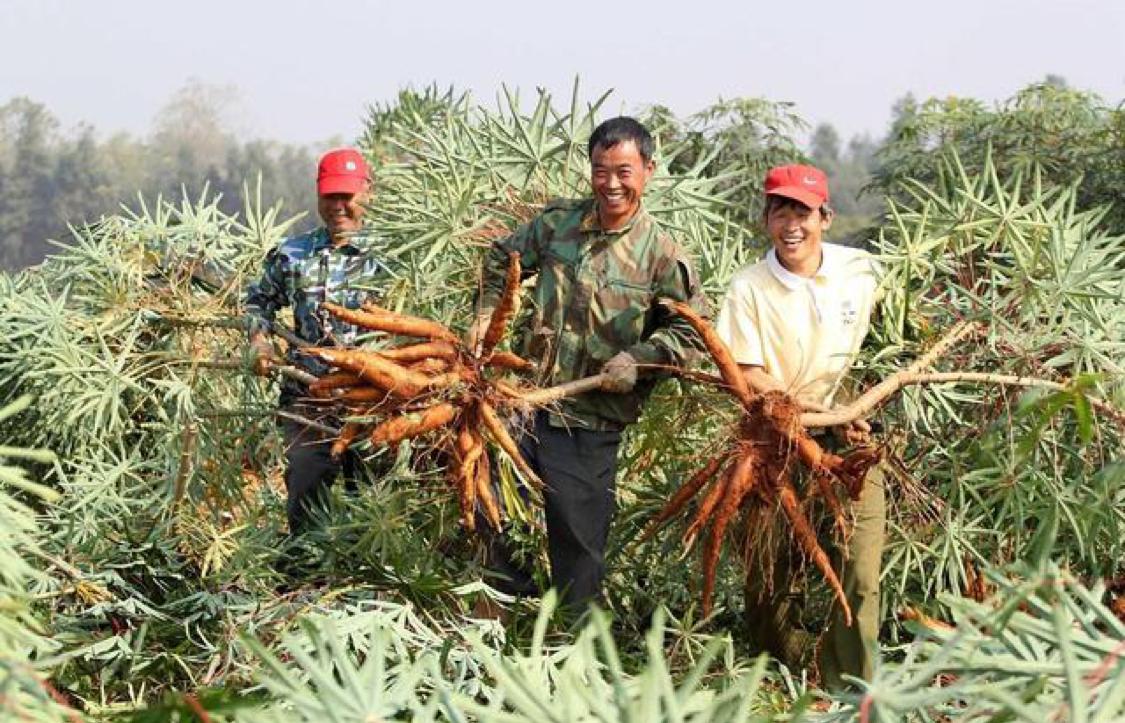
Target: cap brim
340, 184
797, 193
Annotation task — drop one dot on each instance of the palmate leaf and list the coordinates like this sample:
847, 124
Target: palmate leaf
1038, 274
385, 662
587, 682
382, 687
1051, 650
25, 693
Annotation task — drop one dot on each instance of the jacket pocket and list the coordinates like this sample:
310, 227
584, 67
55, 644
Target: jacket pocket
619, 312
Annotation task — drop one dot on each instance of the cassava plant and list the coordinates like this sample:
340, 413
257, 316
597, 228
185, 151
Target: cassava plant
166, 537
158, 559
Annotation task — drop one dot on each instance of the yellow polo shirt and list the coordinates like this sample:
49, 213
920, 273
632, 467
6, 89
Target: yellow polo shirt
804, 332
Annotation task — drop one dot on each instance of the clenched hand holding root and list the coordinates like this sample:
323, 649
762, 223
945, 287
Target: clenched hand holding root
755, 471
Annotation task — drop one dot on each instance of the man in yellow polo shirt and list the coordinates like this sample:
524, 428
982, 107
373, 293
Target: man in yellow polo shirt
795, 321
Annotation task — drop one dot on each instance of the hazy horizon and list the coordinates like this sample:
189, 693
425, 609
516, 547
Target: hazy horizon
303, 75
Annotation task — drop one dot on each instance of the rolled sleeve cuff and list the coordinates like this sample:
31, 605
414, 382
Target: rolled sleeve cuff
648, 352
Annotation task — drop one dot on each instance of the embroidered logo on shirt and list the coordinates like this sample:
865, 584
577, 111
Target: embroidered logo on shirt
848, 312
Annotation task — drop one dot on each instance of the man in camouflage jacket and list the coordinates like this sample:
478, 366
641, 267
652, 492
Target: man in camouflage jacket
332, 263
601, 265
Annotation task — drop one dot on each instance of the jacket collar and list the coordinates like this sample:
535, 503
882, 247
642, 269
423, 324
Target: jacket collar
590, 222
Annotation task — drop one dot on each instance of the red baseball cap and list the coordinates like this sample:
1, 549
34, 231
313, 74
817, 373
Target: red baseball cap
341, 170
806, 184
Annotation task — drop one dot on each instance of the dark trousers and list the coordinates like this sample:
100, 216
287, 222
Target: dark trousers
310, 470
578, 468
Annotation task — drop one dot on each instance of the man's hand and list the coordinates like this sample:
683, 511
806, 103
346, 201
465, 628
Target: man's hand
474, 337
262, 355
854, 434
620, 373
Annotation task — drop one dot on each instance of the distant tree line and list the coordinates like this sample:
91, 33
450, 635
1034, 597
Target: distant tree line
49, 178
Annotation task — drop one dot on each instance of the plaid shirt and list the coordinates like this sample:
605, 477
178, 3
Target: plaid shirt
303, 272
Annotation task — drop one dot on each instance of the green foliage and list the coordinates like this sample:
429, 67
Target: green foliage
24, 692
160, 594
169, 516
455, 176
157, 517
1040, 274
1043, 648
735, 142
387, 664
1067, 136
389, 124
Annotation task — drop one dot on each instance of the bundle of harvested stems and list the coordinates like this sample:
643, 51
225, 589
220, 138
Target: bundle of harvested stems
755, 470
437, 386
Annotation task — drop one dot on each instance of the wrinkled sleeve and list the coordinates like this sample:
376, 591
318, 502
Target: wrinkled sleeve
738, 326
674, 341
266, 295
526, 241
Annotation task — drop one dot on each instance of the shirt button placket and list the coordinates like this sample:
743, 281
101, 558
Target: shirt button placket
580, 301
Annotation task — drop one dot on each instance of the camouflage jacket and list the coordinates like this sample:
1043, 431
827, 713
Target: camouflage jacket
304, 271
595, 295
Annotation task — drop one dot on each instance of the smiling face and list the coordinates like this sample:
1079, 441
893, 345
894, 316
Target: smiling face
342, 213
796, 231
618, 175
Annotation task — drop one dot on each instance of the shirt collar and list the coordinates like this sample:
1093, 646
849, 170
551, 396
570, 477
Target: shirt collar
590, 221
352, 247
829, 265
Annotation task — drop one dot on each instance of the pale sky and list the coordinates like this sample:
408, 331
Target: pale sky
306, 71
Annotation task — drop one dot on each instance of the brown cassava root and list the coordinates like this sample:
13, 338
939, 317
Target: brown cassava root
439, 388
773, 429
755, 475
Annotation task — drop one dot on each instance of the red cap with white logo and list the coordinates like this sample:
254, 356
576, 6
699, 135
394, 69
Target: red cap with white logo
806, 184
341, 170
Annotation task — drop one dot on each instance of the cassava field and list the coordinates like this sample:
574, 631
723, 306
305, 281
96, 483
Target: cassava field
142, 513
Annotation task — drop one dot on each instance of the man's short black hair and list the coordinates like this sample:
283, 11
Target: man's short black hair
775, 202
621, 130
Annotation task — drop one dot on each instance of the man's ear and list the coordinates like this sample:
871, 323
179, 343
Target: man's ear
826, 217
